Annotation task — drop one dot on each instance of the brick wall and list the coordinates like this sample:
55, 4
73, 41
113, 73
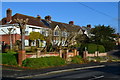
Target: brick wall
86, 54
6, 38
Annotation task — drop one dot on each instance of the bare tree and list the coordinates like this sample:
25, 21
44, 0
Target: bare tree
22, 25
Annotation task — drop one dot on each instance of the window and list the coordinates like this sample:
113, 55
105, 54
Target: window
56, 33
26, 32
26, 43
33, 29
64, 34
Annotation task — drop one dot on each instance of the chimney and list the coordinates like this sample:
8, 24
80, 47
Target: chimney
89, 26
9, 14
38, 17
48, 18
71, 22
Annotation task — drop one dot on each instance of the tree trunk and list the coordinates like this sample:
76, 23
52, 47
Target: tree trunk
10, 42
23, 39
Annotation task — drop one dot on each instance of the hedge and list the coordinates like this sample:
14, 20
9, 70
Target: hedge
9, 59
43, 62
92, 48
101, 48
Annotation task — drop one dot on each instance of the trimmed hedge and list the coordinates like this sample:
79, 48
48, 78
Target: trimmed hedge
92, 48
9, 59
43, 62
101, 48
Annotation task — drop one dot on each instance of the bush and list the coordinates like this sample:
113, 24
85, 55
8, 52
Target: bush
8, 58
101, 48
92, 48
82, 48
33, 48
11, 52
43, 62
77, 59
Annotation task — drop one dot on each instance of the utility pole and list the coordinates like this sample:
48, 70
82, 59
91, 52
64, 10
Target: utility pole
22, 25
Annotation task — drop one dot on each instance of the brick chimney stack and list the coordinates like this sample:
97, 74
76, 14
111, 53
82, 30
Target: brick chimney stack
71, 22
9, 14
48, 18
38, 17
89, 26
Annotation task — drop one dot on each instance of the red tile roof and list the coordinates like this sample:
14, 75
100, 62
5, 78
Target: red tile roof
32, 20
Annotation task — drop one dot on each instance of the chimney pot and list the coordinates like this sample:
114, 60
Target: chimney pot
89, 25
48, 18
38, 17
71, 22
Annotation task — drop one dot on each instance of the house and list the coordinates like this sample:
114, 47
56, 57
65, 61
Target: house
59, 33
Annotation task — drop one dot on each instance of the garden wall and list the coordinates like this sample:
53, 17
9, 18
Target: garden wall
61, 54
86, 54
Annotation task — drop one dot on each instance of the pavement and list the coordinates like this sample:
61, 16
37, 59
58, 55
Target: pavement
13, 73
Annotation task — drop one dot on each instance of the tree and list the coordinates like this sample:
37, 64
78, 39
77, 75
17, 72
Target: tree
22, 25
36, 36
103, 35
82, 38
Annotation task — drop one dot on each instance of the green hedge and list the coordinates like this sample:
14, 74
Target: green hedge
92, 48
43, 62
8, 58
77, 59
101, 48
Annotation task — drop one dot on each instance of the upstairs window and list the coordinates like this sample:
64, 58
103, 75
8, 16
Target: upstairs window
56, 33
64, 34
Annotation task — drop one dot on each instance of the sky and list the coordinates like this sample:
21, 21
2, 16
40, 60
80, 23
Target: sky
82, 13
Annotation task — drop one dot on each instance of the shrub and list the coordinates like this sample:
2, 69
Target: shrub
11, 52
77, 59
82, 48
33, 48
43, 62
101, 48
92, 48
8, 58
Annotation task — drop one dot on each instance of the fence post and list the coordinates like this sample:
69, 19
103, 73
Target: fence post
38, 52
67, 51
61, 53
85, 53
75, 52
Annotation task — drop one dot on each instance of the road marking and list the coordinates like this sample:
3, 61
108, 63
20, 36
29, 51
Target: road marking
96, 77
67, 70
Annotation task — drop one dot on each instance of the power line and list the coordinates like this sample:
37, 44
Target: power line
97, 11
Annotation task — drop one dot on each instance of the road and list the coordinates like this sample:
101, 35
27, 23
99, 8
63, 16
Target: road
115, 53
107, 71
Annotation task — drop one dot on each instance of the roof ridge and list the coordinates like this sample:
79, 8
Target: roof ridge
24, 15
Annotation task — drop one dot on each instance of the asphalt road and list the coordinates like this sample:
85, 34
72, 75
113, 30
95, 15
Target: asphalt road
106, 72
115, 53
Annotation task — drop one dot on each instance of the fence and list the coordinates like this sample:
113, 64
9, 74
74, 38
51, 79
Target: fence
86, 54
62, 53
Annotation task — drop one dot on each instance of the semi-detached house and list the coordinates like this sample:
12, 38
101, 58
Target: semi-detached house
57, 31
